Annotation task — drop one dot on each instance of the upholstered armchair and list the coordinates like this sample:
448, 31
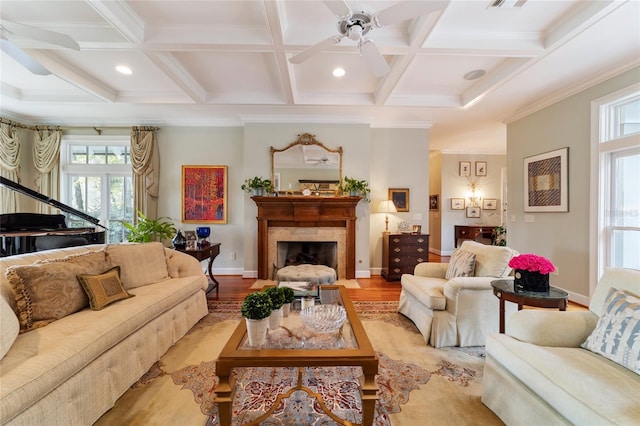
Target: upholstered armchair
452, 304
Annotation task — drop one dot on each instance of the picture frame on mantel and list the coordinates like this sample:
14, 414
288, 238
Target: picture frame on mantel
546, 182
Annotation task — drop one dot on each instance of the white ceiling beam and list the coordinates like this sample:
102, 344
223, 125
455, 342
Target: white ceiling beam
121, 17
174, 70
73, 75
275, 19
492, 80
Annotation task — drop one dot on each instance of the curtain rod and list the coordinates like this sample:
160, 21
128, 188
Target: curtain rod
96, 129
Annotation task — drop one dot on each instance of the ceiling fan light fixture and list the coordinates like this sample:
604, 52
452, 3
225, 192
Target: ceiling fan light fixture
338, 72
474, 75
123, 69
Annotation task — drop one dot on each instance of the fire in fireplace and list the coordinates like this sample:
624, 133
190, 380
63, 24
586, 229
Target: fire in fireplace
307, 252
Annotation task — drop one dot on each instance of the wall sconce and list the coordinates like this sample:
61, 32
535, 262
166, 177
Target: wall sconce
474, 195
386, 206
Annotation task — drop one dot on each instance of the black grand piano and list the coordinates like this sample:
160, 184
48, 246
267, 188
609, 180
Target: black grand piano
30, 232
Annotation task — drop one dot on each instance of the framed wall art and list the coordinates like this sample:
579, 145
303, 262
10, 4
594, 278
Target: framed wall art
481, 168
473, 211
457, 204
489, 204
465, 168
433, 202
546, 182
204, 194
400, 198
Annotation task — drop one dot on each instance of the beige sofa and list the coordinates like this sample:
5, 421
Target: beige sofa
460, 311
72, 370
538, 373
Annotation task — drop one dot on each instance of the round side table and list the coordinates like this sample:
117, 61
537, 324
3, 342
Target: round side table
503, 289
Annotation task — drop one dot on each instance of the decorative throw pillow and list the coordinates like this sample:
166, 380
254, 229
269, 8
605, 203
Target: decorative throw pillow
140, 264
9, 327
47, 291
461, 264
104, 289
616, 333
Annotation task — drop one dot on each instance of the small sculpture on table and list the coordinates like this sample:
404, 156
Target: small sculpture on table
203, 233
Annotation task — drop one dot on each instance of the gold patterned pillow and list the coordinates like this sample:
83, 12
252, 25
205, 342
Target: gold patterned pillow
104, 289
49, 290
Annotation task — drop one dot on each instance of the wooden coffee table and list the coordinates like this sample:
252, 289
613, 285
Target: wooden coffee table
352, 348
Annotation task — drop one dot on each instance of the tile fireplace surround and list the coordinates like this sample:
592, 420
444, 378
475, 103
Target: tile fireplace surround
298, 218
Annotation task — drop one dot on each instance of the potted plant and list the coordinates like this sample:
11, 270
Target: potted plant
147, 230
257, 186
356, 188
276, 295
256, 309
289, 296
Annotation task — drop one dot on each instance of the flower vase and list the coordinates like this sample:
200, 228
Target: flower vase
275, 319
179, 241
530, 281
257, 331
286, 309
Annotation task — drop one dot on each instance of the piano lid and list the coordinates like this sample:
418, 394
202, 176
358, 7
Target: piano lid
43, 198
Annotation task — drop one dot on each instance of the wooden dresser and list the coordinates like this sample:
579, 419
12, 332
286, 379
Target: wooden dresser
402, 252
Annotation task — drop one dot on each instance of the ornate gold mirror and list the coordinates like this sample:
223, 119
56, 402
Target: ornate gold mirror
306, 164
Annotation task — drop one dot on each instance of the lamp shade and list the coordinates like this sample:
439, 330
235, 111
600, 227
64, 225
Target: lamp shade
387, 206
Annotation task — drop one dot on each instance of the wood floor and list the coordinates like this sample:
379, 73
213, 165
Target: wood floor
376, 288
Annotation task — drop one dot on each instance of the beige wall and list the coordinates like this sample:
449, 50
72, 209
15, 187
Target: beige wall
435, 216
561, 237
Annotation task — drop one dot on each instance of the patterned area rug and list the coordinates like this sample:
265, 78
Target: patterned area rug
415, 381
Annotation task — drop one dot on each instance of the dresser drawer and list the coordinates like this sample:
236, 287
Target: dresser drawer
408, 239
409, 250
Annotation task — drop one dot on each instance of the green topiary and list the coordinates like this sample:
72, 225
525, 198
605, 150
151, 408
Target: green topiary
256, 306
276, 295
289, 295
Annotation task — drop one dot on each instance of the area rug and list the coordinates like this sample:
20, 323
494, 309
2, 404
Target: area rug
347, 283
417, 382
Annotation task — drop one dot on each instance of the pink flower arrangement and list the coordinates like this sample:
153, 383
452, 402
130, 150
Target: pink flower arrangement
532, 263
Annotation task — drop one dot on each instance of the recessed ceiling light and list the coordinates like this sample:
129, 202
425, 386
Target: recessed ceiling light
123, 69
338, 72
474, 75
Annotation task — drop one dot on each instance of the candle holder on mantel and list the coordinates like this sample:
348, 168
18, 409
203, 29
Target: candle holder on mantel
203, 233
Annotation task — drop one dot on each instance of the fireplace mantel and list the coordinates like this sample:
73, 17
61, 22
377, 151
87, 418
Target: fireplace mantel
297, 211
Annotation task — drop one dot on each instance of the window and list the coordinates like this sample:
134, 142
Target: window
616, 166
97, 179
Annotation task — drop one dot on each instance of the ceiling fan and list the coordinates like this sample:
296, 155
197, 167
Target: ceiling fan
10, 30
356, 24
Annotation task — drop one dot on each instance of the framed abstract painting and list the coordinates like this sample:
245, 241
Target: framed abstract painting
546, 182
204, 194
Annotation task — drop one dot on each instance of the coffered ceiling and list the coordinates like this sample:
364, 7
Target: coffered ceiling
217, 63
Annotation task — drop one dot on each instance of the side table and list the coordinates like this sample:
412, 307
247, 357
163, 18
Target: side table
503, 289
204, 253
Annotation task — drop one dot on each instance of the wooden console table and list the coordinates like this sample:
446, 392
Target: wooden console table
204, 253
465, 232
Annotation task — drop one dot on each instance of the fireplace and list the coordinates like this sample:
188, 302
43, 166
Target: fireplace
306, 219
292, 253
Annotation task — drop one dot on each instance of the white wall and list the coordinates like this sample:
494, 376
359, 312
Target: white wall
561, 237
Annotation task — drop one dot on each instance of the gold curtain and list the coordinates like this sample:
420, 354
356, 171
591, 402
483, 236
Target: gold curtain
46, 159
145, 161
9, 165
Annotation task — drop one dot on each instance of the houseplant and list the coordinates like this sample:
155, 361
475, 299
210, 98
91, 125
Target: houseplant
531, 272
257, 186
147, 230
356, 188
277, 297
289, 296
256, 308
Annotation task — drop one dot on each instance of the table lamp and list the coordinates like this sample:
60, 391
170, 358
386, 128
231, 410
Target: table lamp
387, 206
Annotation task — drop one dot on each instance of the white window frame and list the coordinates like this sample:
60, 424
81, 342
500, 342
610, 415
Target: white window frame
605, 140
69, 170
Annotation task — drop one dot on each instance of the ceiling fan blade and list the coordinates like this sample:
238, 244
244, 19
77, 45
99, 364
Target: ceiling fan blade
406, 10
316, 48
39, 34
22, 57
374, 58
340, 8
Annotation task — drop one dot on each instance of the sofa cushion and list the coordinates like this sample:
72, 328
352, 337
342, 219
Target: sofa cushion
619, 278
427, 290
103, 289
491, 261
461, 264
140, 264
616, 334
49, 290
9, 327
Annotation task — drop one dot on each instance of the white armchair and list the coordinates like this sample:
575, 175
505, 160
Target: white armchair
460, 311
